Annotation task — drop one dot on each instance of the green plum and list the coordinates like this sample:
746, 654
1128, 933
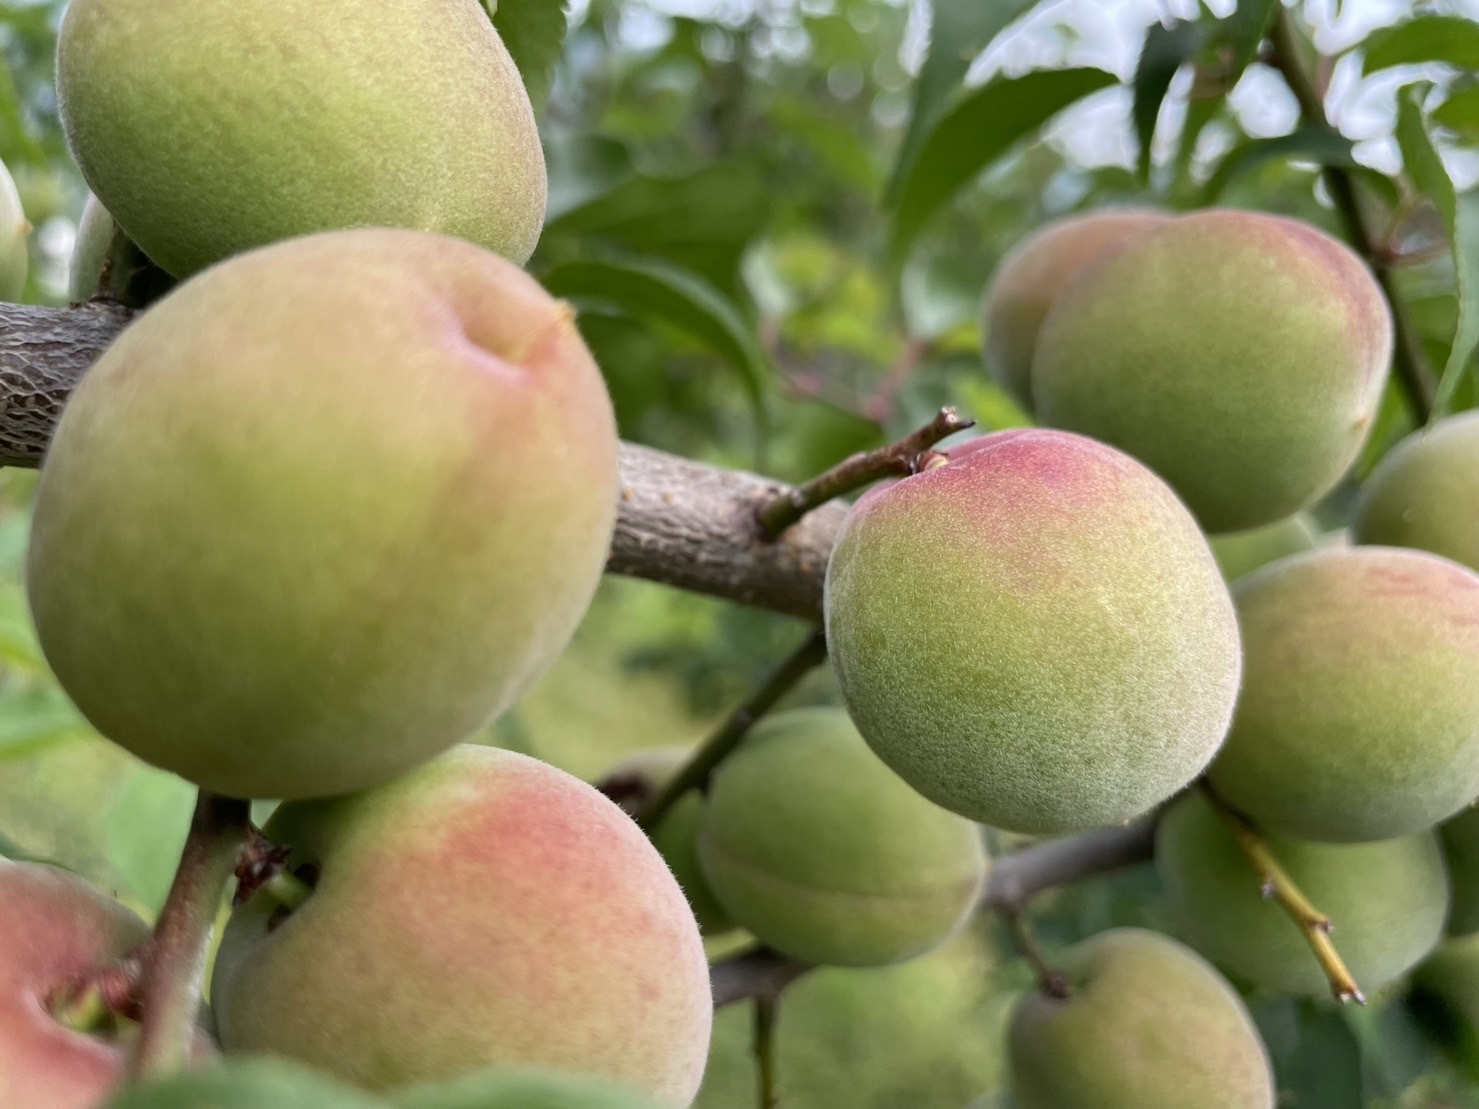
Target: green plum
1030, 277
1147, 1024
1241, 552
1240, 355
288, 543
246, 1083
1387, 901
1425, 492
811, 843
210, 129
1359, 714
15, 259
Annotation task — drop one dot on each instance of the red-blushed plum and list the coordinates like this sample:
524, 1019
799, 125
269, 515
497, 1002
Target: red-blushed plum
1387, 901
55, 929
1147, 1024
1359, 713
208, 130
643, 774
811, 843
1031, 276
289, 542
1425, 493
1034, 634
484, 909
1239, 355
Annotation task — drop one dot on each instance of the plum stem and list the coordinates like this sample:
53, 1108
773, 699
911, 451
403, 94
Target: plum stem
1051, 981
764, 1048
1015, 879
909, 455
694, 774
1414, 377
174, 958
1275, 884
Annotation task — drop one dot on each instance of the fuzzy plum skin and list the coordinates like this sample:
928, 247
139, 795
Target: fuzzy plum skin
1149, 1025
1359, 715
209, 130
57, 928
1034, 635
1387, 899
810, 842
289, 542
1239, 355
1031, 276
484, 909
1425, 493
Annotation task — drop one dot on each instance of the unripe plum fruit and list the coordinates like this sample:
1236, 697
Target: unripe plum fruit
15, 259
1359, 713
1033, 634
1148, 1024
641, 775
247, 1083
95, 231
522, 1088
56, 930
208, 130
1031, 276
1387, 901
1240, 355
824, 853
323, 511
1460, 838
485, 909
1425, 493
1239, 553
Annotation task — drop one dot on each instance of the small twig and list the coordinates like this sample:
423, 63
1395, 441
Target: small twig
1410, 364
1051, 981
908, 456
1015, 880
714, 750
175, 956
1275, 884
764, 1045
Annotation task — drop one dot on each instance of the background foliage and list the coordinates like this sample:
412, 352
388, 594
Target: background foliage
777, 218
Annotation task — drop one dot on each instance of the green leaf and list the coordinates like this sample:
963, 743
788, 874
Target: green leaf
1313, 143
1430, 38
1460, 113
534, 32
1166, 49
1249, 24
959, 30
582, 168
146, 829
1317, 1060
646, 287
1460, 215
36, 717
977, 131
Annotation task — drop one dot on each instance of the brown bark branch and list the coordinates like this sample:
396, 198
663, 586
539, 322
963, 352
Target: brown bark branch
681, 523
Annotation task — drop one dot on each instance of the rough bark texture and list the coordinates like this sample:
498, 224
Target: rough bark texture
682, 523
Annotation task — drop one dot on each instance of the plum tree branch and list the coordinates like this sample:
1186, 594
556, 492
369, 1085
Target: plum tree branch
679, 522
173, 961
1015, 880
695, 772
1410, 365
